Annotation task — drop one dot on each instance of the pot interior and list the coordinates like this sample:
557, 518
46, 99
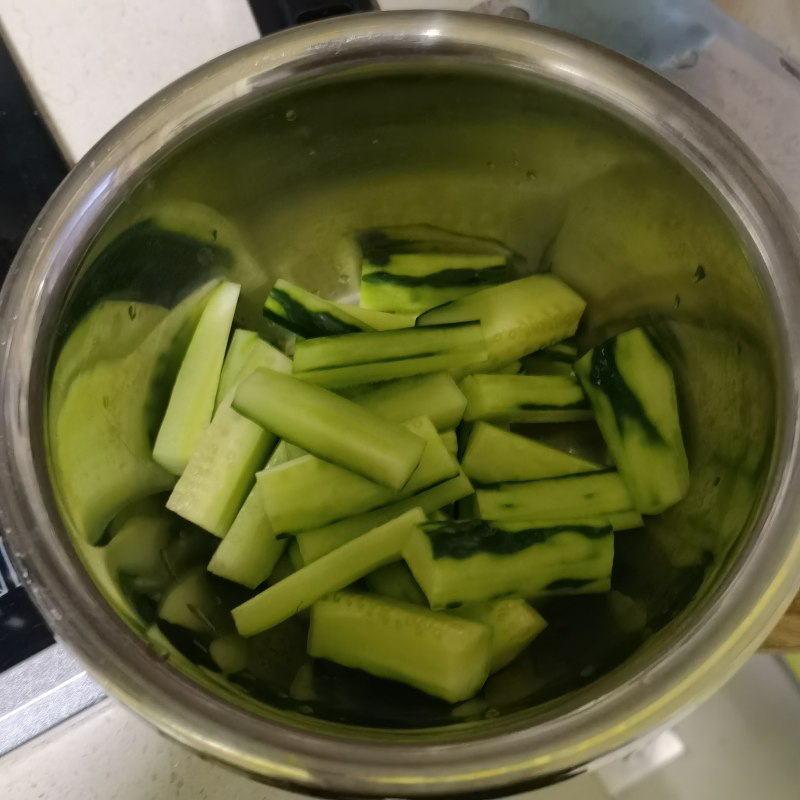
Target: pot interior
569, 187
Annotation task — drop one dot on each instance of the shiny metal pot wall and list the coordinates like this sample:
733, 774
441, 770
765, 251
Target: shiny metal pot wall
579, 160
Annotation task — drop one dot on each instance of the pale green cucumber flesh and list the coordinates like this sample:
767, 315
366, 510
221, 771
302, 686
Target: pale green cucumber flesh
339, 493
591, 494
340, 361
439, 654
250, 550
459, 562
193, 397
220, 471
517, 317
313, 544
330, 427
230, 653
332, 572
102, 442
632, 391
396, 582
513, 623
435, 395
494, 455
240, 347
192, 603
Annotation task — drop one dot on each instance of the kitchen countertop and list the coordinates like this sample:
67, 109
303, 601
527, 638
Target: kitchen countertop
88, 70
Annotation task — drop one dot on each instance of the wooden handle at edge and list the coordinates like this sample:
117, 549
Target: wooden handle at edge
786, 636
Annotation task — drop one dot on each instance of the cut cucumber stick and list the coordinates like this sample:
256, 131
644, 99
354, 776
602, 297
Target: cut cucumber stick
459, 562
632, 390
341, 361
435, 396
330, 427
193, 397
335, 571
524, 398
242, 343
250, 550
440, 654
339, 493
517, 317
494, 455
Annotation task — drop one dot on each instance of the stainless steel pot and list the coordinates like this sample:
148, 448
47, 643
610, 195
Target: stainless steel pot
625, 186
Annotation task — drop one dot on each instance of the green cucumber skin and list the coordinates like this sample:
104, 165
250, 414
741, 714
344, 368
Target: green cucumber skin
378, 245
330, 427
440, 654
465, 561
285, 305
332, 572
632, 391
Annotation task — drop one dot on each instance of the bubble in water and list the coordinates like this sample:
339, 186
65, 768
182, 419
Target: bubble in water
375, 141
530, 175
312, 152
291, 115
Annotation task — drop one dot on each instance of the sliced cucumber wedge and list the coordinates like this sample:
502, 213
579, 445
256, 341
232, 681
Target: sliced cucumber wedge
458, 562
330, 427
440, 654
414, 268
524, 398
517, 318
341, 361
339, 493
102, 442
396, 582
596, 494
435, 396
307, 314
193, 397
381, 320
495, 455
632, 391
250, 550
314, 544
332, 572
242, 344
513, 623
230, 653
450, 441
192, 603
221, 471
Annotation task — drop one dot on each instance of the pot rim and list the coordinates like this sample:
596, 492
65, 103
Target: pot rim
714, 641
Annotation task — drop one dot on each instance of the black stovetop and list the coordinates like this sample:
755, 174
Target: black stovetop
31, 167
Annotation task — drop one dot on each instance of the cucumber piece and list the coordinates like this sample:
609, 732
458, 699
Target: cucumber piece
250, 550
294, 555
632, 391
396, 582
330, 427
513, 623
192, 603
230, 653
338, 569
340, 361
412, 269
308, 315
381, 320
450, 441
494, 455
189, 548
314, 544
435, 395
512, 368
597, 494
137, 552
283, 452
112, 329
283, 569
517, 318
191, 403
242, 344
102, 447
339, 493
221, 471
463, 561
524, 398
263, 356
439, 654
